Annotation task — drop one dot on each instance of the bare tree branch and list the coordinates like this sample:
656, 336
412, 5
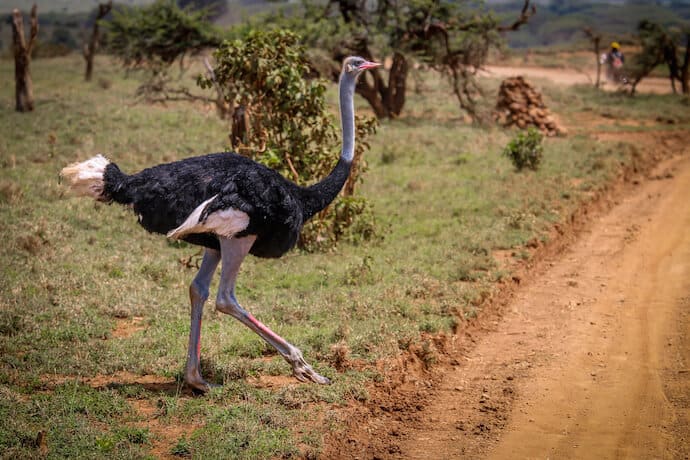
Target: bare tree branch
18, 30
34, 29
526, 13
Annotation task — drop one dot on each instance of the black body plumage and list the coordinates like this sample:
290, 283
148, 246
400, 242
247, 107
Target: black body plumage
164, 196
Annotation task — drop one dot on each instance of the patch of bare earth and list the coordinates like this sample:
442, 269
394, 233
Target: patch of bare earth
127, 327
147, 412
272, 381
583, 354
165, 432
153, 382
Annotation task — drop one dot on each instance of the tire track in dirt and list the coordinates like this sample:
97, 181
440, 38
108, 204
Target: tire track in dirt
591, 357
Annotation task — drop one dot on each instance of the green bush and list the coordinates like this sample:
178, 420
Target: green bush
156, 35
286, 126
526, 150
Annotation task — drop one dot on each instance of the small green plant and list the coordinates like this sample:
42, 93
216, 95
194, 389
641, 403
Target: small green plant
182, 448
526, 150
359, 274
134, 435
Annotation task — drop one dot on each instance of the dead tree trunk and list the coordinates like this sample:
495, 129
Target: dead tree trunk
595, 38
22, 59
91, 47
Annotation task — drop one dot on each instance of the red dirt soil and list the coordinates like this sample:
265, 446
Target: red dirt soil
587, 355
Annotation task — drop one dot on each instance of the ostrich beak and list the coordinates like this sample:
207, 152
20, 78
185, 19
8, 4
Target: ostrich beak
369, 65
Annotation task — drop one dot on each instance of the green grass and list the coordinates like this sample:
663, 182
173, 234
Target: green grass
445, 200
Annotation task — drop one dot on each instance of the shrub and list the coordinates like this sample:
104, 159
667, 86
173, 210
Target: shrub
156, 35
280, 120
525, 150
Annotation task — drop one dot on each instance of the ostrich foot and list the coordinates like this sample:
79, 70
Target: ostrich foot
199, 385
304, 372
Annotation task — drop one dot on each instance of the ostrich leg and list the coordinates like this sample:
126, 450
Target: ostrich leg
198, 293
233, 252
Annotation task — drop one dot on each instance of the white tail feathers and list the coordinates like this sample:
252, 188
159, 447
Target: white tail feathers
86, 178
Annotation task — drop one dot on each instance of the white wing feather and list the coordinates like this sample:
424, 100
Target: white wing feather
226, 222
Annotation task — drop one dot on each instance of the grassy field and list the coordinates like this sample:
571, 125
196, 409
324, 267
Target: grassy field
94, 313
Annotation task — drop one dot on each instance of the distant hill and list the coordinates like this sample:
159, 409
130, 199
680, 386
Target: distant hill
557, 22
83, 6
61, 6
561, 23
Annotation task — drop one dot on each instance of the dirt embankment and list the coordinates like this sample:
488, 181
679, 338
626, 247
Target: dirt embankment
588, 357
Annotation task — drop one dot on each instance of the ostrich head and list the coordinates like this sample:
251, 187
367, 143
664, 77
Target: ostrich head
355, 65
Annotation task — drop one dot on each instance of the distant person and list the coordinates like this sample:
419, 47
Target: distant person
614, 61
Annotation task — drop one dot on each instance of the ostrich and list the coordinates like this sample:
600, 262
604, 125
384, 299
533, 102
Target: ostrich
232, 206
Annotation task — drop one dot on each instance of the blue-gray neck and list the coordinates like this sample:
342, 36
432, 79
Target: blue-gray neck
347, 114
316, 197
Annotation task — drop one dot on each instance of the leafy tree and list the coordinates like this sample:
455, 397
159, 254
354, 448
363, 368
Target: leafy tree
280, 120
450, 36
354, 28
660, 45
456, 41
155, 37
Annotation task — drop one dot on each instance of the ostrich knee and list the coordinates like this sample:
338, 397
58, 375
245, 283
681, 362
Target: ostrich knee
198, 292
230, 306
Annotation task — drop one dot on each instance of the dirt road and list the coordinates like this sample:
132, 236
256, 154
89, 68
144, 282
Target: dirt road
588, 357
592, 358
652, 85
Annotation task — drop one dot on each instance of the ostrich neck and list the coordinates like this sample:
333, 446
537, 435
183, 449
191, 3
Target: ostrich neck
316, 197
347, 115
